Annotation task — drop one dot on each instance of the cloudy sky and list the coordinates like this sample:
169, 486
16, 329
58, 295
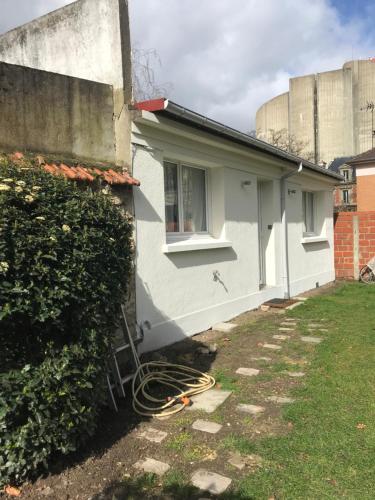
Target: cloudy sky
224, 58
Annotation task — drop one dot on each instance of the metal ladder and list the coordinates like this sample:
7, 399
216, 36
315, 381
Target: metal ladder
119, 380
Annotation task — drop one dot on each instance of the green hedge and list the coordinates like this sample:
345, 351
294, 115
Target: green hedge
65, 259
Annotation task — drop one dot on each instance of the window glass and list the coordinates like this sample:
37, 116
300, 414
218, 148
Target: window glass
346, 174
308, 211
194, 200
345, 196
171, 197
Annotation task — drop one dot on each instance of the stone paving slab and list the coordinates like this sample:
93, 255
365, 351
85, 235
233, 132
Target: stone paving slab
296, 374
248, 372
288, 323
261, 358
293, 320
206, 426
152, 466
224, 327
280, 399
210, 481
236, 460
293, 306
285, 329
252, 409
209, 401
301, 299
272, 346
311, 340
314, 325
153, 435
281, 337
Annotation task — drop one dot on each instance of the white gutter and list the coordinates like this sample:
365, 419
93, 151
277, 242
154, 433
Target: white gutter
284, 231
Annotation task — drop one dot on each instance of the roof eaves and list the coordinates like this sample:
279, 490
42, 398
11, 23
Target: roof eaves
174, 111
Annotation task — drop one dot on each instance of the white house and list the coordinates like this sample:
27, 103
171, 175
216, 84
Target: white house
224, 222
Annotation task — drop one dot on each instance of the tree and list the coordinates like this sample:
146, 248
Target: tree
144, 81
282, 139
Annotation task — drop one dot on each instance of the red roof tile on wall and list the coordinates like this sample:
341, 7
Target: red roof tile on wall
80, 172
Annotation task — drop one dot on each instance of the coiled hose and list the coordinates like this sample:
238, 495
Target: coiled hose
181, 381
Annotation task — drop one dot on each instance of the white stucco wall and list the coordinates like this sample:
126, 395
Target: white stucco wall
176, 292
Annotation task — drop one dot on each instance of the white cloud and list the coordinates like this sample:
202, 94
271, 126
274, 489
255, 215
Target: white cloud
224, 58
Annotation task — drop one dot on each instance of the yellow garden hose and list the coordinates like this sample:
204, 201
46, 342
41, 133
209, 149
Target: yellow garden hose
181, 381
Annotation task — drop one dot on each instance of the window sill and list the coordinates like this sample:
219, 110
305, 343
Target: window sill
313, 239
195, 244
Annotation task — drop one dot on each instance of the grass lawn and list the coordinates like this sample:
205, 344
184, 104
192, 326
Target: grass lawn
322, 446
330, 453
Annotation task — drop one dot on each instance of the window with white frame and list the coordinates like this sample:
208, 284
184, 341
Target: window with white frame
185, 191
345, 196
345, 173
308, 205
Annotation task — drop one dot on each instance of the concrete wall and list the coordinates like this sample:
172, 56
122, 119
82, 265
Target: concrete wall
51, 113
301, 110
177, 291
274, 115
333, 122
86, 39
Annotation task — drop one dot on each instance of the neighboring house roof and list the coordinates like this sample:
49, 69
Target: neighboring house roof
79, 172
366, 157
171, 110
338, 162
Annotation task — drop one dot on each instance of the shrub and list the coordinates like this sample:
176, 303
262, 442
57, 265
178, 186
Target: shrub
65, 258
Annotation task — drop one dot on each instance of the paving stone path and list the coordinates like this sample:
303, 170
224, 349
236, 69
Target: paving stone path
281, 337
153, 435
272, 346
224, 327
252, 409
288, 323
210, 481
206, 426
296, 374
248, 372
261, 358
284, 329
311, 340
280, 399
149, 465
209, 401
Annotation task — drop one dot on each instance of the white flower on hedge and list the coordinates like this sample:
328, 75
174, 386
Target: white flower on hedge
52, 238
18, 189
66, 228
4, 267
8, 180
111, 239
29, 198
21, 183
40, 218
36, 188
4, 187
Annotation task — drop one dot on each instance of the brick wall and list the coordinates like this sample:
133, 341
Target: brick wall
354, 242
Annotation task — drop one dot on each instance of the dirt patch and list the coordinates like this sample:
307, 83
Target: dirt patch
100, 470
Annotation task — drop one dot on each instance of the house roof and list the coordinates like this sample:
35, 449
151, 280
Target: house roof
171, 110
367, 156
79, 172
338, 162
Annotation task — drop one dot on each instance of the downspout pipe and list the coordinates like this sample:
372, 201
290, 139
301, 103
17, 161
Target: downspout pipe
284, 230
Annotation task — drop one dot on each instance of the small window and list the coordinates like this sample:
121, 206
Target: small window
185, 191
345, 173
308, 204
345, 196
